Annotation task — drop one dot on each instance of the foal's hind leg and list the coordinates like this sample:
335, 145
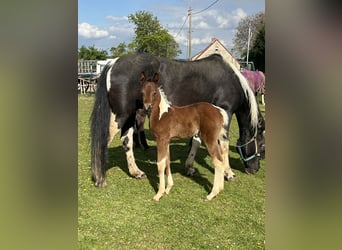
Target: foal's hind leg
195, 144
168, 173
228, 173
218, 178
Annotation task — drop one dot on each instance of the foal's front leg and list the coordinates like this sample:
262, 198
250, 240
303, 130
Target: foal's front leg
162, 162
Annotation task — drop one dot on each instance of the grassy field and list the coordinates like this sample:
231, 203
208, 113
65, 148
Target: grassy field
124, 216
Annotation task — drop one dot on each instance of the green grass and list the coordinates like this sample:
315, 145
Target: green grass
124, 216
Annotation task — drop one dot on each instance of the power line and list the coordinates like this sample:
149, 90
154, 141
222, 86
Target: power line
194, 14
182, 25
205, 8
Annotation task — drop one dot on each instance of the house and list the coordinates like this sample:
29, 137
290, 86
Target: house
216, 47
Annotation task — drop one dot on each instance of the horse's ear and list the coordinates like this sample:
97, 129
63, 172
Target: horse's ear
142, 77
156, 77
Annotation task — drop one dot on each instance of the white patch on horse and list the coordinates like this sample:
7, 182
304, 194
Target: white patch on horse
164, 104
110, 63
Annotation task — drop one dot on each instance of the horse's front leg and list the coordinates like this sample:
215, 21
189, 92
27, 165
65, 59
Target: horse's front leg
195, 144
168, 173
161, 163
127, 142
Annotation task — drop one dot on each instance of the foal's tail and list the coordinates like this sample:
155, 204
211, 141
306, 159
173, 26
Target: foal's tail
100, 121
224, 130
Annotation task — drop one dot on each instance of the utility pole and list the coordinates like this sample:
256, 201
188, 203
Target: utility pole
190, 31
248, 42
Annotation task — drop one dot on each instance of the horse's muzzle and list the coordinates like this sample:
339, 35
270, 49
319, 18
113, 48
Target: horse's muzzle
147, 109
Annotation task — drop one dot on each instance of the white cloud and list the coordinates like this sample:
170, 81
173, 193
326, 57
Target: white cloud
238, 14
90, 31
202, 25
117, 18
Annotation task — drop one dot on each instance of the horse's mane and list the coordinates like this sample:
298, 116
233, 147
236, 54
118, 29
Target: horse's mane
249, 95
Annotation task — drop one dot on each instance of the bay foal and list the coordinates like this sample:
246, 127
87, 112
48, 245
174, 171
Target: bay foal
202, 120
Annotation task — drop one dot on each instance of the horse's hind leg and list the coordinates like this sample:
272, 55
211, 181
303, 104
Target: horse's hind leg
168, 173
127, 142
195, 144
218, 178
113, 129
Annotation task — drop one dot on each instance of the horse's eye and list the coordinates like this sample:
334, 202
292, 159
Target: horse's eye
154, 94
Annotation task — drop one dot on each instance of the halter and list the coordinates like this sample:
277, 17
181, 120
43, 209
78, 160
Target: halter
245, 159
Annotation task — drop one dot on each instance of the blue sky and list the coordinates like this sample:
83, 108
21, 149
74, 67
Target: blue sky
104, 23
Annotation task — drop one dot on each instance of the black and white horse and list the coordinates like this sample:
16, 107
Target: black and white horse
212, 80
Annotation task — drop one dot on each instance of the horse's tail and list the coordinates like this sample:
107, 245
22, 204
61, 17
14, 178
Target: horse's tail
100, 121
254, 109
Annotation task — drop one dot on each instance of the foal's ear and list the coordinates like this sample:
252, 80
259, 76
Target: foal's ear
156, 77
142, 77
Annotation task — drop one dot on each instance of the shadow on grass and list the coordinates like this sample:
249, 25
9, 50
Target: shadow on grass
146, 161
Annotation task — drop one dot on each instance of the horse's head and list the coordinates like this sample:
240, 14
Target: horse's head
252, 150
149, 90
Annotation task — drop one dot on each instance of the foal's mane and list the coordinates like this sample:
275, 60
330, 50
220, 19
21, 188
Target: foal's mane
163, 96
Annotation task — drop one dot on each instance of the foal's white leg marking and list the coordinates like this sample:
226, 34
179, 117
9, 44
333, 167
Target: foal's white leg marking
229, 174
111, 63
196, 143
218, 178
161, 171
113, 128
168, 173
127, 141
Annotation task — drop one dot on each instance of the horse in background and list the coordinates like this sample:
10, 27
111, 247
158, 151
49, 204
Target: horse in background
256, 80
169, 122
210, 79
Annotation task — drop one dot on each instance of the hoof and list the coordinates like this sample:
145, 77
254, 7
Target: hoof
100, 184
156, 198
141, 176
230, 178
250, 171
192, 172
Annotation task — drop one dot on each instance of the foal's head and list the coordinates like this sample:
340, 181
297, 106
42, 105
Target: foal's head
149, 89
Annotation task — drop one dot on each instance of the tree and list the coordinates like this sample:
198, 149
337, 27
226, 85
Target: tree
120, 50
255, 22
91, 53
257, 52
151, 37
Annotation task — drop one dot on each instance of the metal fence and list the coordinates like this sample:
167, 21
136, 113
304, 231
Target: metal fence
87, 77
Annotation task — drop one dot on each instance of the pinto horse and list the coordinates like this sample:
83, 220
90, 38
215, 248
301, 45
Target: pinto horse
212, 80
256, 80
169, 122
